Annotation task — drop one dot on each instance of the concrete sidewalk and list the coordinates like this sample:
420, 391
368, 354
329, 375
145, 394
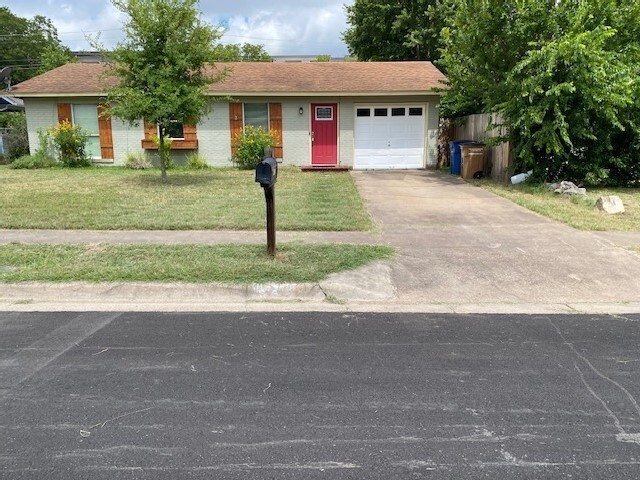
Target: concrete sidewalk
200, 237
460, 249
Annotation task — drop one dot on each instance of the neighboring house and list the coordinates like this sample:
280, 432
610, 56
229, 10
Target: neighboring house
11, 104
365, 115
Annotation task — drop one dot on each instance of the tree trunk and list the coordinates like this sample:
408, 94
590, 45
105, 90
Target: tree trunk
161, 146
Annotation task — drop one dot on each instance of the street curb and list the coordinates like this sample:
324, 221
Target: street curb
307, 297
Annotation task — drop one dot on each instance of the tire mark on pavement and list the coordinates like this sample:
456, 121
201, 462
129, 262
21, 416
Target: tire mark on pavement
28, 361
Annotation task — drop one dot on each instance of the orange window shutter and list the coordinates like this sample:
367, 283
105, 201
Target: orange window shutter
150, 129
190, 132
64, 112
236, 123
275, 127
106, 136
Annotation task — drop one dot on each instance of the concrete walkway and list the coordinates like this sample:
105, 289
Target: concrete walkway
460, 249
204, 237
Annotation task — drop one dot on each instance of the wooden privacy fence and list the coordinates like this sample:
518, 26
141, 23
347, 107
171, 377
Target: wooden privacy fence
474, 127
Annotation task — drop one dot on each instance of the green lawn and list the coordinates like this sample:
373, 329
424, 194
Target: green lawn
113, 198
578, 212
294, 262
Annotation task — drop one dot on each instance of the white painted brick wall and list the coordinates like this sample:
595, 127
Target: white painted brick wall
126, 139
345, 136
41, 113
433, 120
296, 132
214, 136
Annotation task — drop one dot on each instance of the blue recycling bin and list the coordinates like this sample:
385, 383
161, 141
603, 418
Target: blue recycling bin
456, 156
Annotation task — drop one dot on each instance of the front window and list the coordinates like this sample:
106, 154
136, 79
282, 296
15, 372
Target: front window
174, 129
256, 115
87, 117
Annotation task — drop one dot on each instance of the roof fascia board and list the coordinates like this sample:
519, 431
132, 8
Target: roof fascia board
323, 94
57, 95
251, 94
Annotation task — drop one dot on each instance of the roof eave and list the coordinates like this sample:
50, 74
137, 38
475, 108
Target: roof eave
328, 94
57, 94
408, 93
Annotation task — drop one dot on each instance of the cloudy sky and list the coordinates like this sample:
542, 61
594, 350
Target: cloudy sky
284, 27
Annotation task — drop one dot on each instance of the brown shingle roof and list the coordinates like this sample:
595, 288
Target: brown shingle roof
262, 78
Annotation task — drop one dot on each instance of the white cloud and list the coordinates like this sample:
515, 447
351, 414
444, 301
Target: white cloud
315, 31
288, 27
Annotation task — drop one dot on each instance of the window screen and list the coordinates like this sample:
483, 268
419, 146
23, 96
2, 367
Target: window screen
256, 115
87, 117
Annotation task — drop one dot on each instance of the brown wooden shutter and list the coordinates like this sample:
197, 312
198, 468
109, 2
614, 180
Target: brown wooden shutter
275, 127
150, 129
190, 133
64, 112
236, 123
106, 137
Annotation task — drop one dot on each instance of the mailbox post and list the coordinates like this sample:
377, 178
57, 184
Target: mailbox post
266, 176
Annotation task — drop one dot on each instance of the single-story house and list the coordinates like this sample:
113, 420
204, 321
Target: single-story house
364, 115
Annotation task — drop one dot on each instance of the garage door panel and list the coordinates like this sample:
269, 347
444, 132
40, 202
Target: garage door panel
394, 141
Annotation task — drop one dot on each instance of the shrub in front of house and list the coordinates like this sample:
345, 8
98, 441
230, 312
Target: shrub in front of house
196, 161
250, 146
71, 144
137, 161
166, 151
32, 162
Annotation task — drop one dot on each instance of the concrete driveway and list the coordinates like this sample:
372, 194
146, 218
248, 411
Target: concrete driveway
459, 244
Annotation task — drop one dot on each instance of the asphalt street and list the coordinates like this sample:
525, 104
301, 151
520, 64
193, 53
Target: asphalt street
318, 396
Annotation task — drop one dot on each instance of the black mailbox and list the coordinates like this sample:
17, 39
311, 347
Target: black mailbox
267, 172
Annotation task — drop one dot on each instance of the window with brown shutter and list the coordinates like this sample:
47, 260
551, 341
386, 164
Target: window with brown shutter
106, 136
94, 120
275, 127
236, 124
189, 142
238, 119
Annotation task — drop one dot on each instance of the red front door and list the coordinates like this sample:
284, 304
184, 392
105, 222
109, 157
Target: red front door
324, 134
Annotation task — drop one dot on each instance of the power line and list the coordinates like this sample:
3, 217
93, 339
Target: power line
59, 33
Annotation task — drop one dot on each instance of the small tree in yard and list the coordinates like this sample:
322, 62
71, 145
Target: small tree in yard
162, 65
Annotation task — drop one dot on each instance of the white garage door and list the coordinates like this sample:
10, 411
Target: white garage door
389, 137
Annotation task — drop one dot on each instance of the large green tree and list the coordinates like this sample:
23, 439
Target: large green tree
564, 75
162, 66
246, 52
393, 30
30, 46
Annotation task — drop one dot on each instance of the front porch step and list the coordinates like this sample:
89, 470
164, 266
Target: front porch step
325, 168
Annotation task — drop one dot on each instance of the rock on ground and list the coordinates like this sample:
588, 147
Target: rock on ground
610, 204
